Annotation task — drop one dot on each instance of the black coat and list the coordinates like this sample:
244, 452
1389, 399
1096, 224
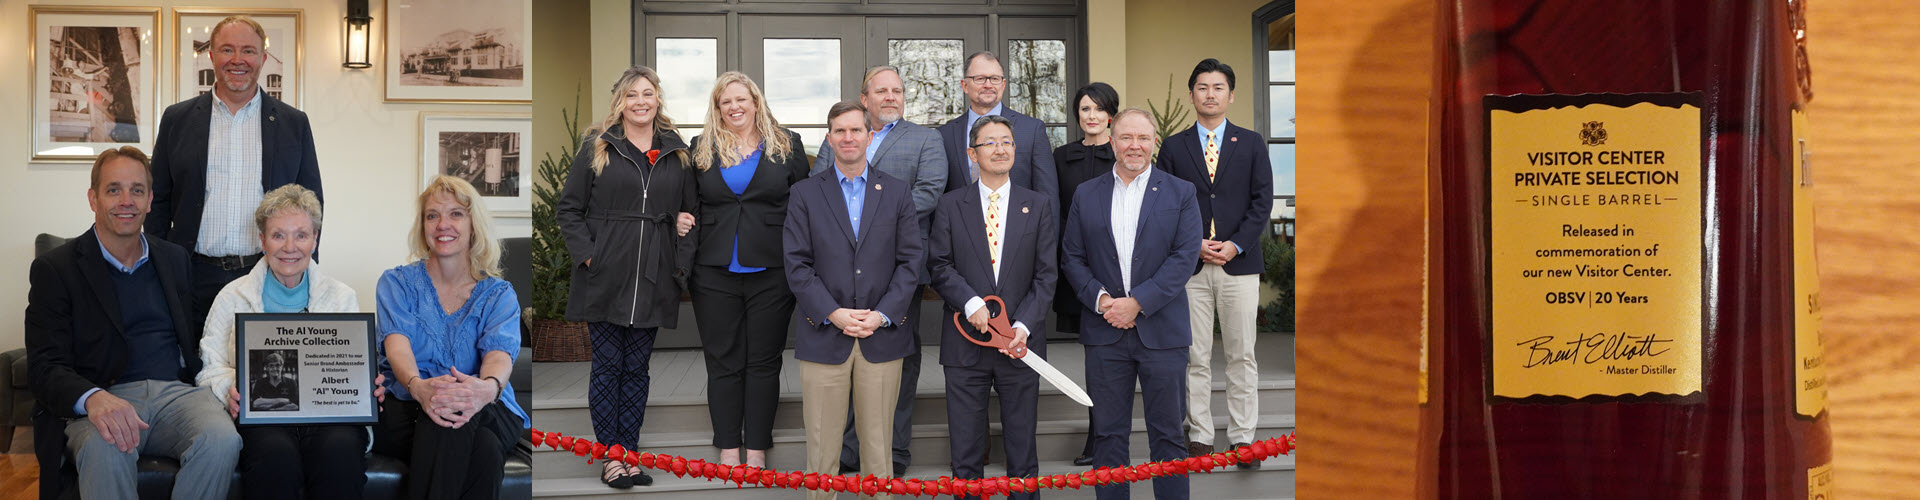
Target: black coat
755, 215
74, 337
1078, 163
623, 219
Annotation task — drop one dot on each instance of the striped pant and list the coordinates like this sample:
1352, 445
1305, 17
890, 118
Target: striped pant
617, 392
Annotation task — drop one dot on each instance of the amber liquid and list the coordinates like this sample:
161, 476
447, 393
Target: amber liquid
1740, 438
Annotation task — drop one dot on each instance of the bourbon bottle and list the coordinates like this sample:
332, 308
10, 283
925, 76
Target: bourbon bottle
1621, 299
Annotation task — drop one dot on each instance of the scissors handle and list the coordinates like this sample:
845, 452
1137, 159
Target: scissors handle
999, 331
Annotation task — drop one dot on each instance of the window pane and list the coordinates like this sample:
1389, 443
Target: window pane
687, 68
802, 79
1282, 157
1056, 135
1280, 66
1280, 111
812, 136
1037, 74
930, 71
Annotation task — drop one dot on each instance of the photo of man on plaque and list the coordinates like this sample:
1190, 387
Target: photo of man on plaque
274, 388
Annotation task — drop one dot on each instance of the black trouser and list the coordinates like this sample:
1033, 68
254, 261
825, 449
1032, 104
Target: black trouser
208, 279
743, 319
902, 409
618, 383
442, 462
326, 461
1019, 390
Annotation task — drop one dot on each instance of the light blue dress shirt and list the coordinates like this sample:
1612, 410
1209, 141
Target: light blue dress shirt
489, 321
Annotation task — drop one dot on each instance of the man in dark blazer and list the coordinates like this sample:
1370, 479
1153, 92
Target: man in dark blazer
853, 258
995, 239
92, 304
909, 152
984, 85
212, 153
1229, 169
1130, 244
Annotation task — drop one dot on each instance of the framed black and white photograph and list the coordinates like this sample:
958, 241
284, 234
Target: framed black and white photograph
476, 51
95, 71
279, 74
306, 368
484, 149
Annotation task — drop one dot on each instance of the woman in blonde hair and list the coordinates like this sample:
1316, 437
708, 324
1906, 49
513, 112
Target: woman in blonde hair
740, 296
628, 189
449, 329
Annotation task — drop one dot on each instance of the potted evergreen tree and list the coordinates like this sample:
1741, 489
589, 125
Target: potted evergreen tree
555, 338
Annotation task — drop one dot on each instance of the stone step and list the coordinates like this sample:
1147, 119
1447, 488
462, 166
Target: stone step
690, 415
1056, 440
1274, 480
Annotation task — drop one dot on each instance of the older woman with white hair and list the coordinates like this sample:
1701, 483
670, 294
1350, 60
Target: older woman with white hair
326, 461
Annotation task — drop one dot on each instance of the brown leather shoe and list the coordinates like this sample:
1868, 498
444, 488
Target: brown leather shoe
1196, 448
1249, 465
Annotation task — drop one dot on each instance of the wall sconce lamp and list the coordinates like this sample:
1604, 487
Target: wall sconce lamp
358, 35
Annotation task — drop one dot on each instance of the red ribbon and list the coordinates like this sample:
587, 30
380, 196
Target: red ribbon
742, 475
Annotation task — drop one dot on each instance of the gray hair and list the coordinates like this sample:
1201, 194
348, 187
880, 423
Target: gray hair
288, 197
973, 135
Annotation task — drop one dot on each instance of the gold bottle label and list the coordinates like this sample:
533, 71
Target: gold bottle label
1809, 343
1820, 482
1595, 243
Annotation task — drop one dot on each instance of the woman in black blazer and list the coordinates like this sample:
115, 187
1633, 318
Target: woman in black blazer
746, 162
1093, 108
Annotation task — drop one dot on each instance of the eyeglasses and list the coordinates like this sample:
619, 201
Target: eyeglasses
992, 145
983, 80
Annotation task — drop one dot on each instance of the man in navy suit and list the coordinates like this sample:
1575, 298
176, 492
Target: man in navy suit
1130, 244
217, 154
1228, 167
909, 152
853, 259
994, 239
984, 85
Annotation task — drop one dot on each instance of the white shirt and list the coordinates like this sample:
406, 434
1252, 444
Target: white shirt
1005, 191
1127, 199
233, 181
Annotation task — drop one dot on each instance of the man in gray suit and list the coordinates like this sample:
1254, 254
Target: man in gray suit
907, 151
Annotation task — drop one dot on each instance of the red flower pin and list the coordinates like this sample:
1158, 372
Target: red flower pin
653, 157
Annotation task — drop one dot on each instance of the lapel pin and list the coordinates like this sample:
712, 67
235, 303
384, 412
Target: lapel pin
876, 187
1023, 210
1233, 139
1156, 188
269, 118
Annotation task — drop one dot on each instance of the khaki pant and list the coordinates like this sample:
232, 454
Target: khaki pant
825, 391
1237, 298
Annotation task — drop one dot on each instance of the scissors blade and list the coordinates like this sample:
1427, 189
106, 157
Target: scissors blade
1059, 380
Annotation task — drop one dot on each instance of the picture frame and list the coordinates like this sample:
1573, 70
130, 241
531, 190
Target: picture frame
96, 78
281, 77
486, 149
334, 362
458, 51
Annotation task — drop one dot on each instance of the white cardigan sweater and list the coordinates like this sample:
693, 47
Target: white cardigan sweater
324, 295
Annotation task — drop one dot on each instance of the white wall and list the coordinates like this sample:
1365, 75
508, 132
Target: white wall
369, 156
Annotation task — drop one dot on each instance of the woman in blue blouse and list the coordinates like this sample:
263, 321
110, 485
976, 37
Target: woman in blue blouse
450, 327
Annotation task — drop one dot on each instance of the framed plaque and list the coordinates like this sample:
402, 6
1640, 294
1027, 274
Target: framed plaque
305, 368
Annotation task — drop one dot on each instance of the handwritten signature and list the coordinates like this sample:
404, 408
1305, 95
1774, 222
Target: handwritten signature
1598, 347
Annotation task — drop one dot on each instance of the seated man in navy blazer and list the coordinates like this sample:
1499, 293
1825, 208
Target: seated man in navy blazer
993, 239
218, 154
853, 259
1130, 244
114, 352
